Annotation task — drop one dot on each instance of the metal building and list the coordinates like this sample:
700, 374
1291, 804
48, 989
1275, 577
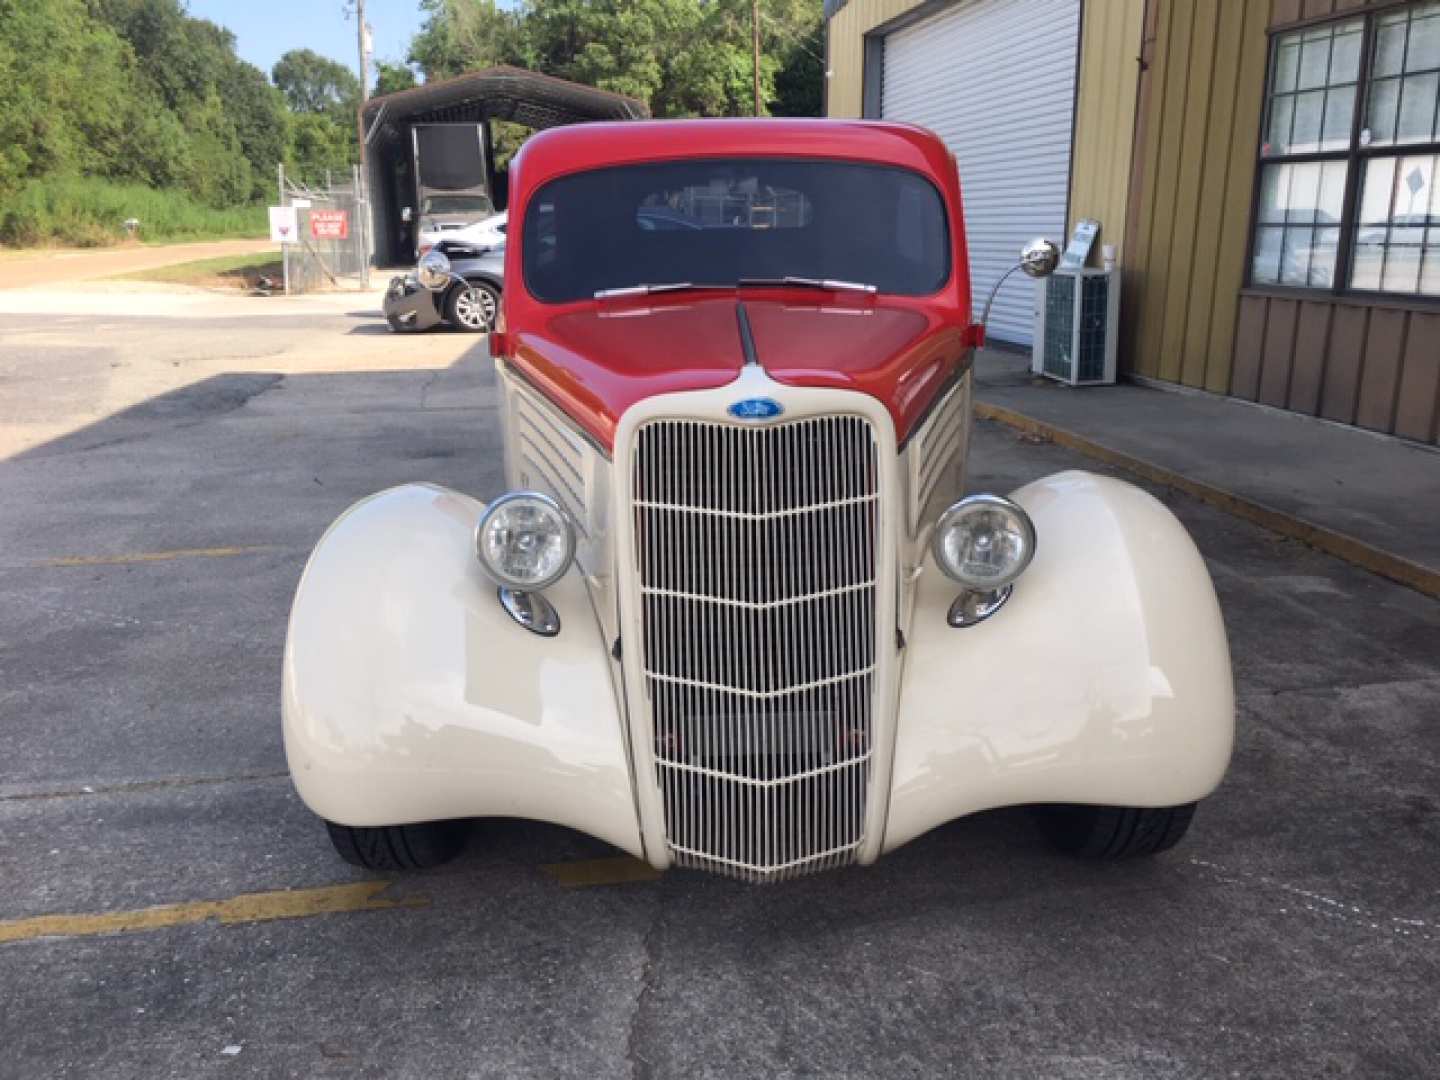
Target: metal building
1268, 171
523, 97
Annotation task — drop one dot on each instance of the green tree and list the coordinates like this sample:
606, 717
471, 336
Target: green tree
683, 57
313, 83
104, 99
218, 172
178, 55
197, 115
138, 92
257, 111
52, 56
466, 35
318, 144
323, 96
799, 42
392, 78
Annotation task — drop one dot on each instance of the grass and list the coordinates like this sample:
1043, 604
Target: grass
237, 271
83, 211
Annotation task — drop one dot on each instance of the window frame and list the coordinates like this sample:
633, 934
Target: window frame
1355, 157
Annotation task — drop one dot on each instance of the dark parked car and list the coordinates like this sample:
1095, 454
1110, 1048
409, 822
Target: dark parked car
470, 302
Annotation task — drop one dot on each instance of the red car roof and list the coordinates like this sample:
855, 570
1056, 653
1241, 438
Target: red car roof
586, 146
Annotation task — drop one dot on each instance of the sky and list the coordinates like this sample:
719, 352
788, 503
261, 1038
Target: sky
266, 29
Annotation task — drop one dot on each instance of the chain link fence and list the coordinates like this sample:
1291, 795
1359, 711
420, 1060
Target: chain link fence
334, 245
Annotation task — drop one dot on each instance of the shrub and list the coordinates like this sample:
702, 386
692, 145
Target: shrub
89, 211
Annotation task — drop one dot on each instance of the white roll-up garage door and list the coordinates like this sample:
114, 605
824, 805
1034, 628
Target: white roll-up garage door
996, 80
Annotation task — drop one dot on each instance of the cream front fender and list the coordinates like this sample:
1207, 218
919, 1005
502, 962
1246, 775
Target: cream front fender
410, 695
1105, 679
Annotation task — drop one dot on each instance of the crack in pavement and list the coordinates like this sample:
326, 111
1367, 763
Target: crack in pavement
1423, 682
139, 786
641, 1068
433, 378
1320, 904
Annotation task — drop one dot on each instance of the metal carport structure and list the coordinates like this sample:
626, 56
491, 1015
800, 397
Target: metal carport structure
499, 93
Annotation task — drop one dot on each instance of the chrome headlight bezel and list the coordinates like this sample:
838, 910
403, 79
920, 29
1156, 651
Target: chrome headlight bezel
566, 531
974, 505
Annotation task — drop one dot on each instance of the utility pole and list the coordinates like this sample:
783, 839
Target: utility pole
755, 36
364, 57
364, 75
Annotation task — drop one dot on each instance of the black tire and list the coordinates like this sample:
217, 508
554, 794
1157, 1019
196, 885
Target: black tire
1114, 832
398, 847
472, 307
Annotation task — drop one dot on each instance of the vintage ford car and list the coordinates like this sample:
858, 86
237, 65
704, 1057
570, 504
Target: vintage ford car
736, 611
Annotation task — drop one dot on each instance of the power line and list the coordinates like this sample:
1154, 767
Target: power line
795, 39
755, 38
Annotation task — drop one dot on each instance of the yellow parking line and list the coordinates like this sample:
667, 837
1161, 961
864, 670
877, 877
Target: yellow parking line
620, 870
245, 908
155, 556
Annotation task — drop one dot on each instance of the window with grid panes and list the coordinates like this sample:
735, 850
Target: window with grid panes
1349, 184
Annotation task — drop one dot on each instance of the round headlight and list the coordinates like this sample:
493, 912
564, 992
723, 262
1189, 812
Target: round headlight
524, 541
433, 270
984, 542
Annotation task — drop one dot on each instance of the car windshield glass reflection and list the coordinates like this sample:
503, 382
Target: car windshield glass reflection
719, 222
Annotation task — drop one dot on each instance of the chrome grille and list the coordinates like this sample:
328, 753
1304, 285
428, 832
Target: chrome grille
756, 550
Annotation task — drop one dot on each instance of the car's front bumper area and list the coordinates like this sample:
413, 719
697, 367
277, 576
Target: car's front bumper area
409, 306
410, 695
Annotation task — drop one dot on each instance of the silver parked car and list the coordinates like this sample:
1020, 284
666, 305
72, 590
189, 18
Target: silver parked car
463, 291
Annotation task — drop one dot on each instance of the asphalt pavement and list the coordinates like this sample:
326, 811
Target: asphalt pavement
161, 486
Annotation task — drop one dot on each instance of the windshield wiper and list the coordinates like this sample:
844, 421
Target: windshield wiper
789, 281
646, 290
828, 284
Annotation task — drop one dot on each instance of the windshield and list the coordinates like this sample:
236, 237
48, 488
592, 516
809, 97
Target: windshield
457, 204
720, 221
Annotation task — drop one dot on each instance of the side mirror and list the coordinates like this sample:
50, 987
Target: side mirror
406, 214
1039, 258
433, 270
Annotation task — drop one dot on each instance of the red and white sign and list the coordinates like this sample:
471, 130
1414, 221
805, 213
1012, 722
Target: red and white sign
330, 224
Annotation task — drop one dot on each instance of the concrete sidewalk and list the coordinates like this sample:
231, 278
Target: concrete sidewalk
1373, 500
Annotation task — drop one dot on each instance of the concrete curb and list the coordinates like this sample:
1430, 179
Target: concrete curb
1343, 546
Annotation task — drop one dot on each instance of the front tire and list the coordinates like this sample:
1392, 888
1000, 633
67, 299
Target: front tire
1114, 832
398, 847
472, 307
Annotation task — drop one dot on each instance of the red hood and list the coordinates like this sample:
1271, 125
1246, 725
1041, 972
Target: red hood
598, 361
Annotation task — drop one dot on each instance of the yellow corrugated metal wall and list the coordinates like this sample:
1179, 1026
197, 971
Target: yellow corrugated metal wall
1110, 37
847, 32
1185, 257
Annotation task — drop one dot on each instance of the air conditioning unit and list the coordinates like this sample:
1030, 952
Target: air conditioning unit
1077, 313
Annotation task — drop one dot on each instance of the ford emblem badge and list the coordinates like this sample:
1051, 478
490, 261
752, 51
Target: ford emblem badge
756, 408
